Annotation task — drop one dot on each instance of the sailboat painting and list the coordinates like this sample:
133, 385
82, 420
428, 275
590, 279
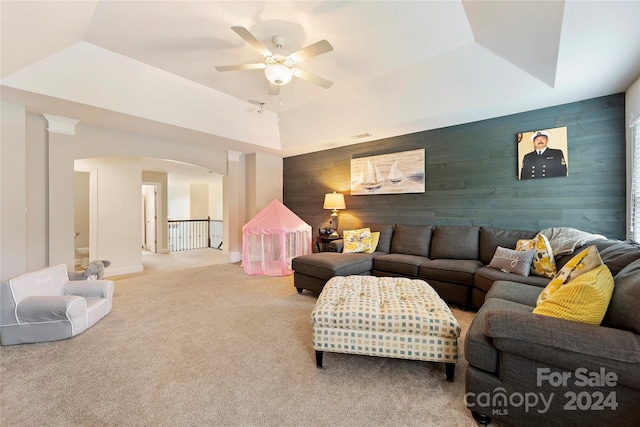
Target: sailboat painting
393, 173
373, 180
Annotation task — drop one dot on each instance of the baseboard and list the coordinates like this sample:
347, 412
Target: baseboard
110, 271
234, 257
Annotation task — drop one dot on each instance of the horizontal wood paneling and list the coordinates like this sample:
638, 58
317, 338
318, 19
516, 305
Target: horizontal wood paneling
471, 175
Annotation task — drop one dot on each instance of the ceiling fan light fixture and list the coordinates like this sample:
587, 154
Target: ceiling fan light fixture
278, 74
280, 67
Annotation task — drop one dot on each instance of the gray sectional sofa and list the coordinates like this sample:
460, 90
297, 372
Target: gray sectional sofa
569, 373
452, 259
514, 354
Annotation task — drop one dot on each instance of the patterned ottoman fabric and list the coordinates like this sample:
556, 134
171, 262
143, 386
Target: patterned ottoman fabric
384, 316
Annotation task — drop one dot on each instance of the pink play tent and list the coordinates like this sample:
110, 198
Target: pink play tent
272, 239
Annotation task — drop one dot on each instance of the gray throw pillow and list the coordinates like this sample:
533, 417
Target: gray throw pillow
623, 310
411, 240
510, 261
620, 255
491, 238
455, 242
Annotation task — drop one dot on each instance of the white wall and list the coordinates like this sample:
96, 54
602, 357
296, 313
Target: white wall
81, 209
632, 110
195, 200
632, 101
199, 201
234, 207
61, 149
24, 190
13, 185
160, 180
268, 175
119, 212
179, 204
101, 142
263, 181
37, 218
215, 200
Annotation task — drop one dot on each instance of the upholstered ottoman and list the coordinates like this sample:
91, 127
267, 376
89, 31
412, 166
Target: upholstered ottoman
385, 316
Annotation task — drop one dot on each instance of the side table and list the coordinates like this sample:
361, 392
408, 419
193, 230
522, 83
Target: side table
322, 242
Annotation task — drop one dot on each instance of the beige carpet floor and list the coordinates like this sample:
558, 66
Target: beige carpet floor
173, 261
211, 346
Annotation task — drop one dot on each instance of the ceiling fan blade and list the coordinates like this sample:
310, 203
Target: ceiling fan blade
312, 78
249, 38
274, 89
240, 67
312, 50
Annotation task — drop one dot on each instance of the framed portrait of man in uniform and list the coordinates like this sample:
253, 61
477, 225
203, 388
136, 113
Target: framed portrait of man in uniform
542, 153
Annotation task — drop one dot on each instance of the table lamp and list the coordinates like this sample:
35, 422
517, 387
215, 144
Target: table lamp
334, 201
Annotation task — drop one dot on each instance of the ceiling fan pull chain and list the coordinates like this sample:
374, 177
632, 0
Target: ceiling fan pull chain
279, 106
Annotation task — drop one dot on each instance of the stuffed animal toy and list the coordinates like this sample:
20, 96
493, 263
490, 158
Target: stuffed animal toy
92, 271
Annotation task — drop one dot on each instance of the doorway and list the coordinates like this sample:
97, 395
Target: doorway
149, 217
81, 217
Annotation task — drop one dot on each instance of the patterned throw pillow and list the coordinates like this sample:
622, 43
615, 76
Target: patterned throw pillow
586, 260
375, 238
510, 261
543, 264
583, 299
357, 241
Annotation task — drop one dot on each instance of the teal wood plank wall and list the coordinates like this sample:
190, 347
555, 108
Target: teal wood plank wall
471, 175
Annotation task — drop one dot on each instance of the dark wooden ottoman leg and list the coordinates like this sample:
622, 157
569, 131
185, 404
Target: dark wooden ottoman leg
481, 418
450, 369
318, 359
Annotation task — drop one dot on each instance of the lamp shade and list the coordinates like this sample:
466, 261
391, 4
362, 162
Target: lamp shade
334, 201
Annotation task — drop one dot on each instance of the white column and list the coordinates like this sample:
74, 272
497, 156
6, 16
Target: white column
60, 190
233, 196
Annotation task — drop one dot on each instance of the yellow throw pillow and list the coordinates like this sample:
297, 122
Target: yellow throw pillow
356, 241
543, 264
375, 238
583, 299
586, 260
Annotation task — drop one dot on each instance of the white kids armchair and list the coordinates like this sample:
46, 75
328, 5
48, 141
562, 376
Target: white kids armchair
45, 306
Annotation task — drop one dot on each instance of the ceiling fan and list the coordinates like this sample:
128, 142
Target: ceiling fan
280, 66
